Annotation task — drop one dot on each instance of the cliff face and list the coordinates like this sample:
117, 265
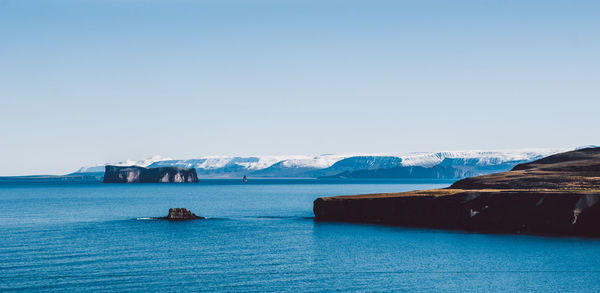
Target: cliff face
135, 174
435, 172
555, 195
563, 213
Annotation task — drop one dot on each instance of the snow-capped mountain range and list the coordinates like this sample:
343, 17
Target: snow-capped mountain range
468, 163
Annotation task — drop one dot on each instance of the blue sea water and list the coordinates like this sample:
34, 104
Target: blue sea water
259, 237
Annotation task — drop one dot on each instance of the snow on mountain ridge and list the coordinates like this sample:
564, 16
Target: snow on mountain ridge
142, 163
484, 157
317, 162
253, 163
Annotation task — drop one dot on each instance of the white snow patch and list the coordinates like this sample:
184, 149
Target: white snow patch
142, 163
483, 157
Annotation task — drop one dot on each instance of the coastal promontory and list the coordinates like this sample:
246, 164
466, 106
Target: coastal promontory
136, 174
557, 195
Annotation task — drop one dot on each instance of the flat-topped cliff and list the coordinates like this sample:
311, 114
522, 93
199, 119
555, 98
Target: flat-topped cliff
135, 174
557, 195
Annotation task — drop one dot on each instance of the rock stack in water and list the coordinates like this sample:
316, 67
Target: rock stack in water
180, 214
136, 174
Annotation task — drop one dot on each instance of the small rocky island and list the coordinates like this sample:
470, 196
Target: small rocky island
556, 195
136, 174
180, 214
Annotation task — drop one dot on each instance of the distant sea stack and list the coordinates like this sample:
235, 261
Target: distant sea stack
135, 174
557, 195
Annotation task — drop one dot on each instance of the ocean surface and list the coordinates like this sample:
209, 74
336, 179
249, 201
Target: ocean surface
259, 237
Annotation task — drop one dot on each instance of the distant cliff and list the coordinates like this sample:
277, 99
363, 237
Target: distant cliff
435, 172
559, 194
135, 174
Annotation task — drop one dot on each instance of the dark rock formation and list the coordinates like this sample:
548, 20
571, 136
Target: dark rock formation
557, 195
135, 174
565, 213
180, 214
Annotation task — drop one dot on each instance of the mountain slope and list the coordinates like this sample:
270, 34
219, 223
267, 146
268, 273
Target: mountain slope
435, 172
464, 163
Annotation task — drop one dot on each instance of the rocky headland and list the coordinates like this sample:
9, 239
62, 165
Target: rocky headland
135, 174
556, 195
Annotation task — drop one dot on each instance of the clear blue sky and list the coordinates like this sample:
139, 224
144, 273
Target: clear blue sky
94, 81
